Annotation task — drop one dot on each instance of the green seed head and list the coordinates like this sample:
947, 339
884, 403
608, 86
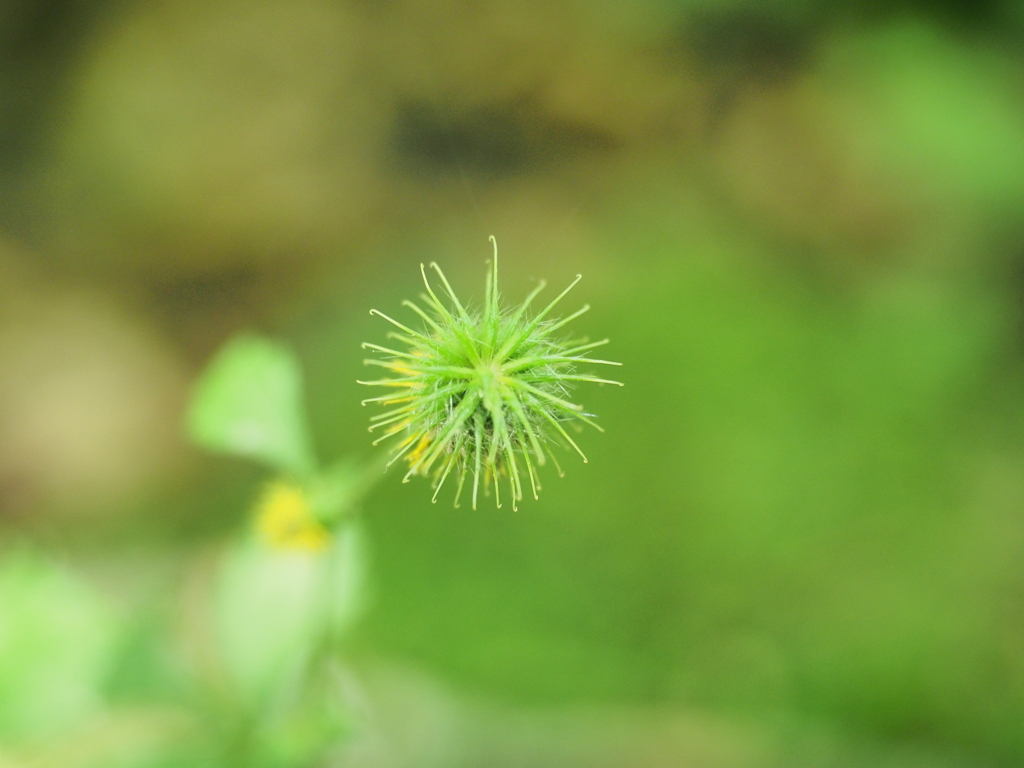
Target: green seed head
481, 392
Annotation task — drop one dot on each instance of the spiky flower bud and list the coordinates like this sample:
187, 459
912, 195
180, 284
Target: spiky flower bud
481, 391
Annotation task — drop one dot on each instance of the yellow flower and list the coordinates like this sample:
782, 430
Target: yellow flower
285, 521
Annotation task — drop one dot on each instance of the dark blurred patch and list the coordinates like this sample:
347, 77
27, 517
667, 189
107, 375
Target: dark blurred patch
206, 293
1005, 275
28, 26
955, 14
19, 497
747, 46
200, 311
754, 47
38, 39
489, 140
735, 50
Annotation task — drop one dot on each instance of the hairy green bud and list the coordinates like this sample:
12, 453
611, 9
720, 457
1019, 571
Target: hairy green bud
482, 392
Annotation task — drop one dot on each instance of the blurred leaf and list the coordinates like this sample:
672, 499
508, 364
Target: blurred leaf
248, 402
347, 579
275, 609
145, 667
55, 641
265, 615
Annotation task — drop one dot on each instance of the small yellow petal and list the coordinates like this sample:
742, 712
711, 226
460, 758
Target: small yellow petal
285, 521
417, 452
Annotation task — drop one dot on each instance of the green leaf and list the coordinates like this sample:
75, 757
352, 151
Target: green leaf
267, 607
56, 640
275, 608
248, 403
346, 581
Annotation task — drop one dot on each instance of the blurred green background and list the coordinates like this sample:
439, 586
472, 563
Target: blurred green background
800, 541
